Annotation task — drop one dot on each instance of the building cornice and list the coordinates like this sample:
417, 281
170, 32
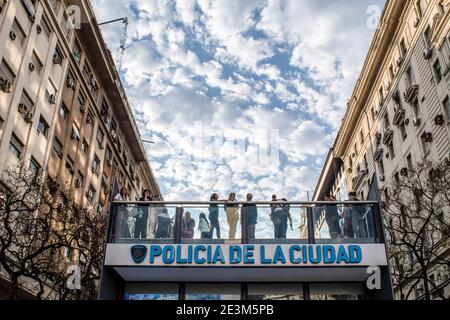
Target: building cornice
391, 20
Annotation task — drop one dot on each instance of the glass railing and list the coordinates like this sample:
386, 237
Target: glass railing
241, 222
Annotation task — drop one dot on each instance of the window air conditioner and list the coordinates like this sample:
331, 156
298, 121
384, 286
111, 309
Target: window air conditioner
29, 117
23, 108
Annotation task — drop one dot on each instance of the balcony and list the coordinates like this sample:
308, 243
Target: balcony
268, 243
411, 93
387, 136
378, 154
399, 116
244, 223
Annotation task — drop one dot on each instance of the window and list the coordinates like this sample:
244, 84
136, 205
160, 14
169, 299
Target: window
70, 80
3, 5
90, 118
104, 111
366, 163
403, 48
2, 123
391, 150
75, 133
15, 146
96, 165
7, 77
87, 74
101, 207
372, 114
391, 73
446, 105
386, 121
108, 154
36, 64
409, 162
427, 37
45, 29
85, 147
77, 52
441, 7
381, 167
409, 78
34, 167
426, 148
70, 165
43, 127
361, 137
25, 105
17, 34
381, 96
91, 193
420, 8
416, 110
58, 147
63, 111
80, 179
437, 70
81, 100
100, 136
66, 25
57, 56
403, 132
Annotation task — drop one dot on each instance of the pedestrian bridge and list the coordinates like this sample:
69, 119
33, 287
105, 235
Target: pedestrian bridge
244, 250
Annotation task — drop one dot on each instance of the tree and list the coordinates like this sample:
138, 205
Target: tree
416, 217
42, 233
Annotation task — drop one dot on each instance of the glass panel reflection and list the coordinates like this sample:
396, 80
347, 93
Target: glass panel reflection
213, 291
275, 291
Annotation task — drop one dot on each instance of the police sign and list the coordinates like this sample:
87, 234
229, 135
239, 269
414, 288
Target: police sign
222, 255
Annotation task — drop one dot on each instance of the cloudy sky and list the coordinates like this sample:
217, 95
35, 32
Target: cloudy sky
239, 95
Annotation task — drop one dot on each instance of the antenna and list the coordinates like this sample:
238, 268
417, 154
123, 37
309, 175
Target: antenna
123, 41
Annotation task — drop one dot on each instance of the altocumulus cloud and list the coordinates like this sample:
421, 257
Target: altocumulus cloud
229, 69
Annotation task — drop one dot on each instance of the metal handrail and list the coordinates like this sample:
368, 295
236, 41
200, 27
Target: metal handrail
300, 203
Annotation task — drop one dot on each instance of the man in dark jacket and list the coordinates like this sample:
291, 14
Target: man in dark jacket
332, 217
252, 216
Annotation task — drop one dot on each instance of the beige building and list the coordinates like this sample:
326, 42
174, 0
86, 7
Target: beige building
399, 112
62, 104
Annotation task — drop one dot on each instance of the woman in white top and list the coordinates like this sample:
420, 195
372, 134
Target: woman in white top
122, 229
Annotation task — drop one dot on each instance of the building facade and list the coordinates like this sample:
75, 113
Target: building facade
62, 104
399, 112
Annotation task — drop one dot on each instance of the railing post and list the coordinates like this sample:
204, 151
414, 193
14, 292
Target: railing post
178, 224
244, 225
310, 224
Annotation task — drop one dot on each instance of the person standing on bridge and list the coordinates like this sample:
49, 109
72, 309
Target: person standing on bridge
252, 216
122, 229
141, 222
332, 217
232, 211
214, 216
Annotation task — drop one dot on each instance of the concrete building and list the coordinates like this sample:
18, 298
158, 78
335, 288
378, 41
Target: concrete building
399, 112
62, 104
